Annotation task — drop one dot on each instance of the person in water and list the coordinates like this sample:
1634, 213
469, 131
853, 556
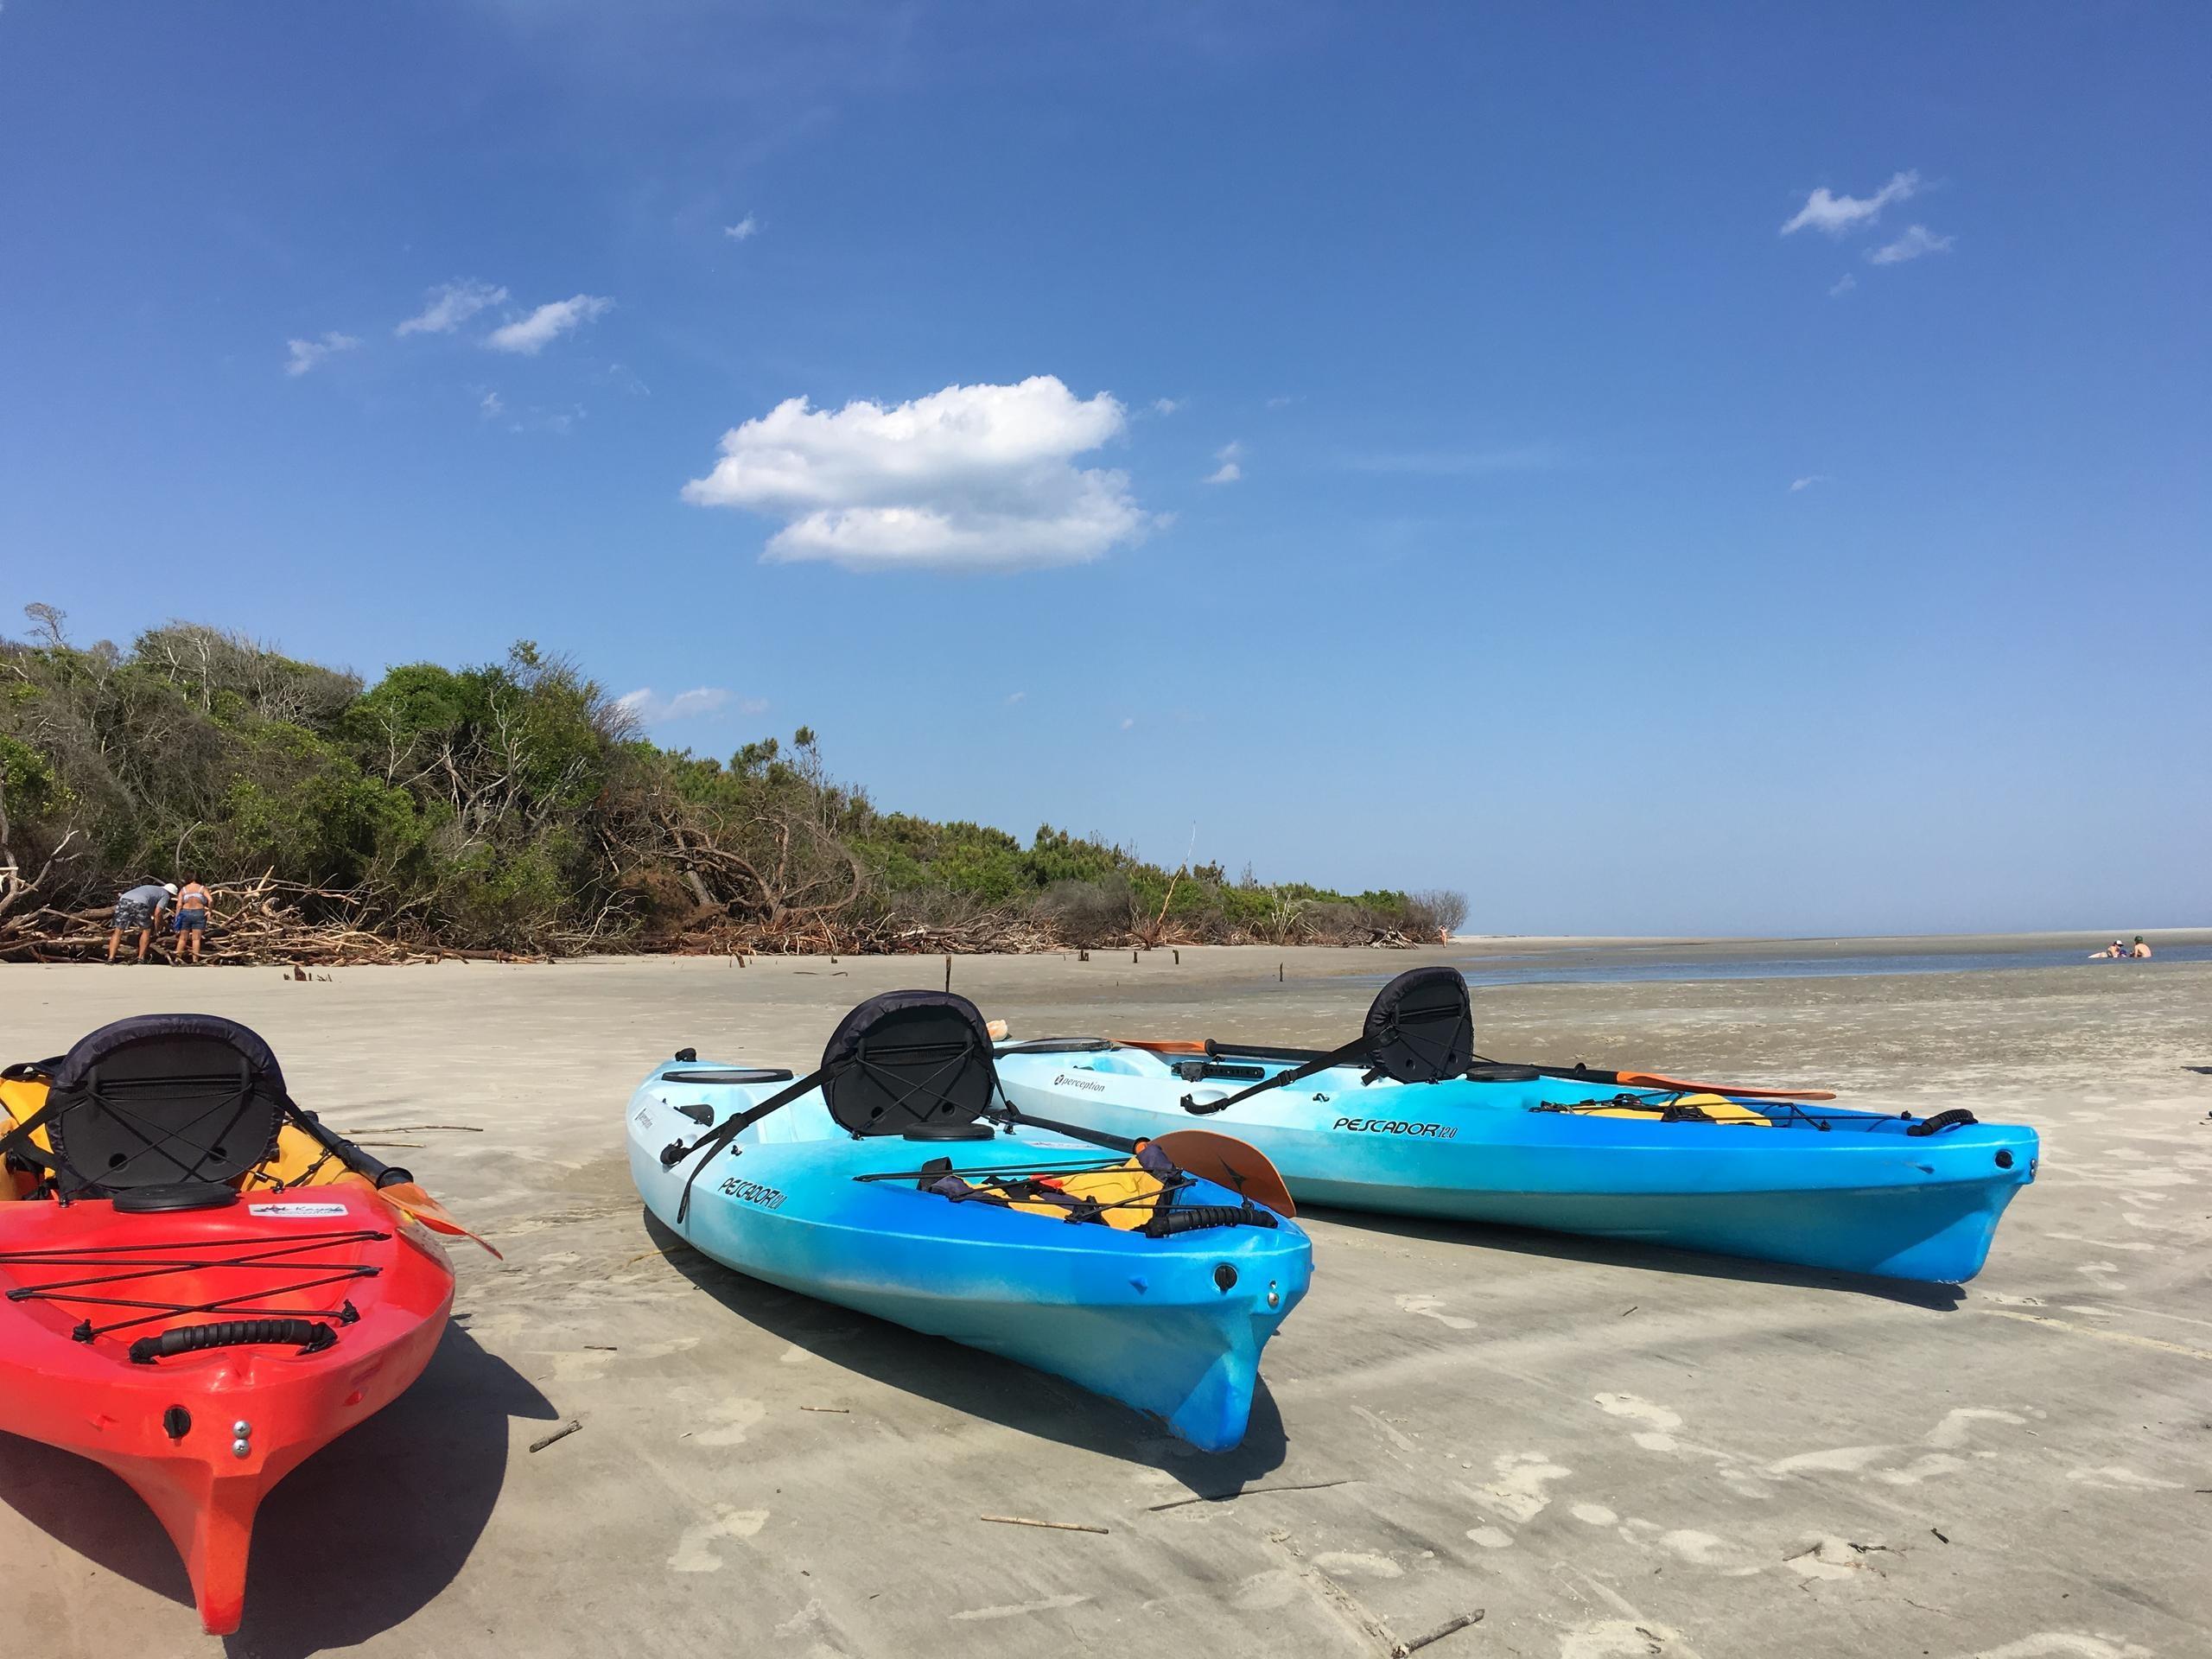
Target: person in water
194, 906
140, 911
2142, 951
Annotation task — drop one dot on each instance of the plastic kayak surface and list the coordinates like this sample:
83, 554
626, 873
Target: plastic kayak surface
1170, 1324
1861, 1194
307, 1311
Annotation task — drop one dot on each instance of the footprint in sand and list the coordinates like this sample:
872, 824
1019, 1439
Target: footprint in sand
1657, 1433
695, 1549
2063, 1644
1430, 1307
1827, 1556
2114, 1479
734, 1419
1957, 1426
1519, 1493
1695, 1547
1620, 1638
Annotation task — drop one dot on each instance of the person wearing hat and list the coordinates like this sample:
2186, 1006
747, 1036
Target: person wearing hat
140, 911
2142, 951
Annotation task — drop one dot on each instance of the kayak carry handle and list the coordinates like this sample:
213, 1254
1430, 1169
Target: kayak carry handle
308, 1336
1169, 1219
1956, 1117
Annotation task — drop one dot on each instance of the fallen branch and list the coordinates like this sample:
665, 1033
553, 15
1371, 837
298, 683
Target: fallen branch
1399, 1649
560, 1434
1053, 1526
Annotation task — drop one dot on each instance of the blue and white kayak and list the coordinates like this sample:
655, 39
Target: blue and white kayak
888, 1182
1407, 1122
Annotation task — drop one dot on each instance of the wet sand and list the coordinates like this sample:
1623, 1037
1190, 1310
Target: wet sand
1610, 1451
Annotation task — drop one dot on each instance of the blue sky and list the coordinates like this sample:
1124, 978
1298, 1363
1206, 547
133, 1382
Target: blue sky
1576, 535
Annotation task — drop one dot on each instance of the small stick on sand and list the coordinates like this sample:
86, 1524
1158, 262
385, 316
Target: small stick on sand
845, 1411
1246, 1492
560, 1434
1399, 1651
1051, 1526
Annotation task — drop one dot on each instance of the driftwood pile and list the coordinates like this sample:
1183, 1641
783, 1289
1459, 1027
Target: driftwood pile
991, 932
256, 922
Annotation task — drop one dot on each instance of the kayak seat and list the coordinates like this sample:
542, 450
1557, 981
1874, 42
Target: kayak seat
907, 1060
162, 1101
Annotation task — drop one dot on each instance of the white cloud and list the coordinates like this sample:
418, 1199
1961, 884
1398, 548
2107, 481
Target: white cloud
744, 230
1165, 405
450, 305
1128, 724
971, 478
1229, 472
656, 710
534, 332
1843, 284
1283, 400
306, 353
1807, 482
1916, 240
490, 405
1013, 697
1836, 215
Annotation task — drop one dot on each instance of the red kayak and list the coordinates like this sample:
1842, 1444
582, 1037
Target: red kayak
203, 1333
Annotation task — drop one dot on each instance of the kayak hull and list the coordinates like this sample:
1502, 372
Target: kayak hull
1862, 1196
169, 1426
1172, 1327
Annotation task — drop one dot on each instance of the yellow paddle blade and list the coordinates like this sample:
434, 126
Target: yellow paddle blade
405, 1195
1227, 1161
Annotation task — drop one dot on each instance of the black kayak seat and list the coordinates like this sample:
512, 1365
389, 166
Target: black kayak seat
164, 1102
909, 1060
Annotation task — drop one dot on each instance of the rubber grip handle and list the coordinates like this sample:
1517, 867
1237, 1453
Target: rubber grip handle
309, 1335
1190, 1217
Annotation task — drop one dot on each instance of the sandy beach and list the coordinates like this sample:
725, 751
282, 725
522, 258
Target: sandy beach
1609, 1452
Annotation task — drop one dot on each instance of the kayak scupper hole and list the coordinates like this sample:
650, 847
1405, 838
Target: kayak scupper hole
1225, 1276
2004, 1158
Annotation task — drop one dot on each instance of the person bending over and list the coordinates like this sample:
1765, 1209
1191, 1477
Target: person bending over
194, 907
140, 911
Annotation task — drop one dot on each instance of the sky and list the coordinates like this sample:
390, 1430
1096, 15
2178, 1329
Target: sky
1735, 469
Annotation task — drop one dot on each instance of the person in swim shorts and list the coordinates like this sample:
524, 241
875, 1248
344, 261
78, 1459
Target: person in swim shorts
140, 911
194, 906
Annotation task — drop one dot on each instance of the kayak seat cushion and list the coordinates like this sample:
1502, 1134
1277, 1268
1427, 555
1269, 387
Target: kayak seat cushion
908, 1061
162, 1099
1422, 1026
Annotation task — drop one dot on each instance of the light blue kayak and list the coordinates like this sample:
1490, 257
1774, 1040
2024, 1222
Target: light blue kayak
1687, 1166
887, 1187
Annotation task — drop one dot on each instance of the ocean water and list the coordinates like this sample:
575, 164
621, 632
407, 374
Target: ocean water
1617, 964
